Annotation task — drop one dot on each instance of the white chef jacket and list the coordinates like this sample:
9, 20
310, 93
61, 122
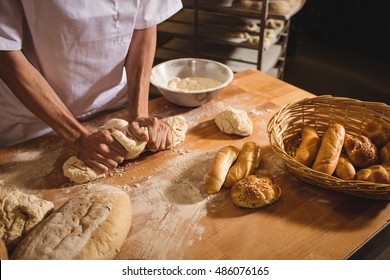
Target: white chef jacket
79, 46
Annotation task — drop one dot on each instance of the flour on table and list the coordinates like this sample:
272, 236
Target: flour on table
167, 208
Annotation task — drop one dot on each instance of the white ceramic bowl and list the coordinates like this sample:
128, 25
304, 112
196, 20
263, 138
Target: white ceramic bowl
190, 67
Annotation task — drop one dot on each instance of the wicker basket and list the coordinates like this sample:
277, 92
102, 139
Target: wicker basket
320, 112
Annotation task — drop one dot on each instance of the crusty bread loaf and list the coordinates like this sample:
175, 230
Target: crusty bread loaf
219, 168
345, 169
375, 174
378, 131
307, 150
254, 192
248, 159
3, 251
384, 153
91, 225
360, 151
330, 149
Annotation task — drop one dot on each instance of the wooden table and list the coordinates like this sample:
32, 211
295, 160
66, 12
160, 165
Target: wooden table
173, 217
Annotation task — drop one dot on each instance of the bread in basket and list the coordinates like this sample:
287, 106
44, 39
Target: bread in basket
320, 112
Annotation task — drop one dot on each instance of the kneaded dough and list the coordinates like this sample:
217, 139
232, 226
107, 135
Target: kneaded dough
234, 121
121, 134
20, 212
179, 127
76, 170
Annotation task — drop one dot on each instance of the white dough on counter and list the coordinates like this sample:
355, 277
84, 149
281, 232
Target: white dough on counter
234, 121
19, 213
76, 170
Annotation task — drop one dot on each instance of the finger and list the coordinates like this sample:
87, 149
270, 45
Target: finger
138, 132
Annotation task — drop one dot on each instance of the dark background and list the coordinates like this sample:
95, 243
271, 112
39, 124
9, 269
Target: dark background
342, 48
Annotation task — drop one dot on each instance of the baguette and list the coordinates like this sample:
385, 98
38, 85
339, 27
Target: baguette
345, 169
219, 167
91, 225
330, 149
248, 159
307, 150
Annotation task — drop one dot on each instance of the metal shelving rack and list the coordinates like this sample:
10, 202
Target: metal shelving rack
195, 32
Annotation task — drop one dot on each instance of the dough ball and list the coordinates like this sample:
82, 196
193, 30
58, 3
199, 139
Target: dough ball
234, 121
77, 172
19, 213
254, 192
179, 127
121, 134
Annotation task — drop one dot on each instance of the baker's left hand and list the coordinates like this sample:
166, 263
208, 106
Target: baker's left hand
159, 136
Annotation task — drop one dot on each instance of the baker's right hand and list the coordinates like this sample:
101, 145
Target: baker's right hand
100, 151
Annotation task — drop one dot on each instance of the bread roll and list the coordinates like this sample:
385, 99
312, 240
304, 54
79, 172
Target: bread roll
345, 169
378, 131
91, 225
3, 251
219, 167
375, 174
307, 150
330, 149
248, 159
384, 153
360, 151
254, 192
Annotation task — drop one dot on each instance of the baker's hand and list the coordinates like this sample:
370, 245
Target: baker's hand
100, 151
159, 136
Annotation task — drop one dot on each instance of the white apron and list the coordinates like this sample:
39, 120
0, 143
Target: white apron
79, 46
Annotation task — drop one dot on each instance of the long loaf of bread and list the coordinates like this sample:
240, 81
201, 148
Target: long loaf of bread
219, 168
91, 225
330, 149
307, 150
248, 159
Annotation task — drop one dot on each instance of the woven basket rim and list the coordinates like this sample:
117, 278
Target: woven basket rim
355, 187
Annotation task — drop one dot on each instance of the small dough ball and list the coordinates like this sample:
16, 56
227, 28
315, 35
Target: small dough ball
179, 127
76, 170
254, 192
234, 121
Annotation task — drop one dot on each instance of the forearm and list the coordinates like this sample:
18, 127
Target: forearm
139, 63
35, 93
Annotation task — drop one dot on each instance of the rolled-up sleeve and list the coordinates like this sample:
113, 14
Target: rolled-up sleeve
11, 25
153, 12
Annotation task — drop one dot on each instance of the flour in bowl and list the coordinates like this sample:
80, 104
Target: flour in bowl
192, 83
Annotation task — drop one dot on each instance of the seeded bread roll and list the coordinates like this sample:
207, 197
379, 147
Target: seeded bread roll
254, 192
330, 149
375, 174
91, 225
345, 169
361, 151
307, 150
219, 167
248, 159
384, 153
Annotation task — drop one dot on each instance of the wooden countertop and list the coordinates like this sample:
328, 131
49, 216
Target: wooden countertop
173, 218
